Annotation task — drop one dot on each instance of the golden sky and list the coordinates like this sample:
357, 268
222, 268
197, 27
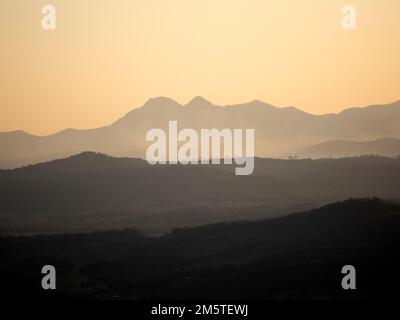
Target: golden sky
107, 57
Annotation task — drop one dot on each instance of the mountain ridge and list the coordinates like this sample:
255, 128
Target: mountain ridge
387, 146
164, 99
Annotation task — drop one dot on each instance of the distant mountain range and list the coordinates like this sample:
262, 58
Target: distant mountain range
93, 191
341, 148
279, 132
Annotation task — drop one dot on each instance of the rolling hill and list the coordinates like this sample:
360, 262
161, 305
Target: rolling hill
92, 191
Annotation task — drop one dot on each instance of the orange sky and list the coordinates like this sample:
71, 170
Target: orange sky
108, 56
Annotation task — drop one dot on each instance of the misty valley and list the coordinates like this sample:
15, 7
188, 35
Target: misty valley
93, 192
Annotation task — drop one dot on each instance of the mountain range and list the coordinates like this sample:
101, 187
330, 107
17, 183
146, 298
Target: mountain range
279, 132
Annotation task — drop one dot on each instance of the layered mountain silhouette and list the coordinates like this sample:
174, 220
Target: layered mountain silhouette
278, 131
92, 191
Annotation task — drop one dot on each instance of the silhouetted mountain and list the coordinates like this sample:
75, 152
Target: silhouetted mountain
299, 256
92, 191
384, 147
279, 131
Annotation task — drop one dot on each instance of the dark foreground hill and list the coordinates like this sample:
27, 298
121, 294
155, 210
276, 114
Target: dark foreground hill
92, 191
299, 256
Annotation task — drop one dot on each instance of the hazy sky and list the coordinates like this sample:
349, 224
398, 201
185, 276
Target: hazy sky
108, 56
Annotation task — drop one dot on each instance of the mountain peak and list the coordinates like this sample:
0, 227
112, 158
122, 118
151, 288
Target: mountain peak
199, 102
161, 101
89, 155
262, 104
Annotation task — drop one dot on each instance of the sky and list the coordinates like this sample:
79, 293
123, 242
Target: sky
106, 57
